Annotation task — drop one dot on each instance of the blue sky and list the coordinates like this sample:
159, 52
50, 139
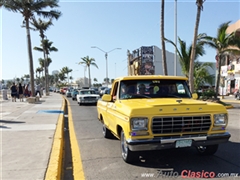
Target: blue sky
108, 24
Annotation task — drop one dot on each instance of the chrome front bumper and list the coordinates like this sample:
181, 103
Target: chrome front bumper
170, 143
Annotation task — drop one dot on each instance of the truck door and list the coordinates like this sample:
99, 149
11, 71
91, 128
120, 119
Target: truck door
111, 109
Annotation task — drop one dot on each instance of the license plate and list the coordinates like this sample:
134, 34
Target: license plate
183, 143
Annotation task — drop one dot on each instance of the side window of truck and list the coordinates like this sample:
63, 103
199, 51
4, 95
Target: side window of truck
114, 92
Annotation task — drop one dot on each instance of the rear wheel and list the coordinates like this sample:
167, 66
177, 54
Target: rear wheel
127, 155
207, 150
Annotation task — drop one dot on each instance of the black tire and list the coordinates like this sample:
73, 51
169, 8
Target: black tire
80, 104
127, 155
207, 150
106, 132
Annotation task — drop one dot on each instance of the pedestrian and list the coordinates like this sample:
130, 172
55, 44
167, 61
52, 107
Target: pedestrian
38, 90
26, 93
20, 92
13, 92
29, 90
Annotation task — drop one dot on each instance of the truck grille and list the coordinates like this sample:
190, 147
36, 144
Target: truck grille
180, 124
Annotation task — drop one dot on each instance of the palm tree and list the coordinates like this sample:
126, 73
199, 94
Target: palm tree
38, 70
95, 80
9, 83
88, 62
26, 76
46, 48
106, 80
42, 26
164, 62
184, 53
18, 80
62, 76
28, 9
199, 4
51, 79
202, 75
22, 79
66, 70
71, 78
222, 43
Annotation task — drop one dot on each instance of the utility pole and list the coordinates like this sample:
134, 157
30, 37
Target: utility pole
175, 57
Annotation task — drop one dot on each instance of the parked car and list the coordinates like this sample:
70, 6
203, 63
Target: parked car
95, 89
101, 90
63, 90
75, 92
50, 89
87, 96
107, 91
69, 93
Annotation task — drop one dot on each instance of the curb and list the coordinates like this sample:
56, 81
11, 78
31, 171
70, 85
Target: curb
78, 172
229, 107
54, 168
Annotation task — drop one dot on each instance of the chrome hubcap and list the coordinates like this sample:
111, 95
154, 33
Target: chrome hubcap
124, 145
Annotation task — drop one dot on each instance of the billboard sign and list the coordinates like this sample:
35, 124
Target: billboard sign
147, 65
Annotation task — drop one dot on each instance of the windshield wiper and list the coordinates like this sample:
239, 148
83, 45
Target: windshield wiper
171, 95
140, 95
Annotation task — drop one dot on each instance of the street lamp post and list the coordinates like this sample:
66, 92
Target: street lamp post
106, 55
84, 71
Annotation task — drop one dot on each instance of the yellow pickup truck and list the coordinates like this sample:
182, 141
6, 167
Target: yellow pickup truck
159, 112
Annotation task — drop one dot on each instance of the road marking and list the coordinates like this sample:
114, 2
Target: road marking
76, 156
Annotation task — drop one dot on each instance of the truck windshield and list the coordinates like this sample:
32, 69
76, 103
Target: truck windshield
159, 88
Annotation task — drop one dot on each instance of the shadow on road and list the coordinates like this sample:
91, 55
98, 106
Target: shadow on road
226, 160
11, 122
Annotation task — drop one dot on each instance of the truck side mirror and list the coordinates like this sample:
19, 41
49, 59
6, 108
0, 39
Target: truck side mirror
194, 95
107, 97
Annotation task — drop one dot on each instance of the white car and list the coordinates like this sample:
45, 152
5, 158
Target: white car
87, 96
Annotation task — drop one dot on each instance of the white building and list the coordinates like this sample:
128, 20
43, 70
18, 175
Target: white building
82, 82
170, 63
148, 60
55, 72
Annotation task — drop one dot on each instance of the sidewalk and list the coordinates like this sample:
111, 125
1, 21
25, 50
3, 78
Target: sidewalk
27, 135
229, 99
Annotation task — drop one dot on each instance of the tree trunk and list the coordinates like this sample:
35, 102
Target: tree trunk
218, 76
31, 69
89, 77
164, 63
45, 68
193, 52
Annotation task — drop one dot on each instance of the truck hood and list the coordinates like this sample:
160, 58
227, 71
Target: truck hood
169, 106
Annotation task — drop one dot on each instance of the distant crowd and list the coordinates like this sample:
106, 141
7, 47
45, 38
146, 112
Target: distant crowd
24, 91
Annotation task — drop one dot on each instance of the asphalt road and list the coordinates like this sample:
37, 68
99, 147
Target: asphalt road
101, 158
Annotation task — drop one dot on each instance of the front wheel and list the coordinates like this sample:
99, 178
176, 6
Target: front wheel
207, 150
106, 132
127, 155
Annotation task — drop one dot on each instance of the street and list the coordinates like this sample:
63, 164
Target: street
101, 158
